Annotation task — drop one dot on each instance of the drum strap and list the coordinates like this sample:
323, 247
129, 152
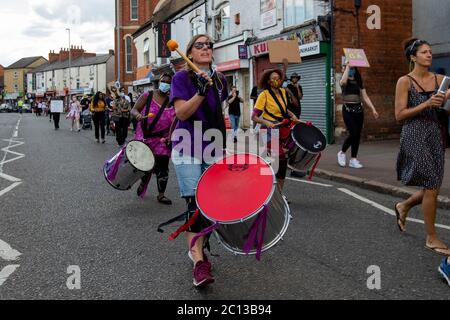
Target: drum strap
184, 227
284, 113
148, 130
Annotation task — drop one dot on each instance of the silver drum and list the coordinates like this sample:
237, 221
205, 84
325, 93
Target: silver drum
307, 144
135, 160
242, 192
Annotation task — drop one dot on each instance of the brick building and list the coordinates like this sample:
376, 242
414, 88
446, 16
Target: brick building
130, 16
384, 51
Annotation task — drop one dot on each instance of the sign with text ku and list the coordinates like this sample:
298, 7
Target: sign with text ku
164, 35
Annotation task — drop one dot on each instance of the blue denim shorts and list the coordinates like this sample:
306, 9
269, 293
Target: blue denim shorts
188, 170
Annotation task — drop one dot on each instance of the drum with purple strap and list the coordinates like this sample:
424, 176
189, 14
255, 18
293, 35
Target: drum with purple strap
129, 165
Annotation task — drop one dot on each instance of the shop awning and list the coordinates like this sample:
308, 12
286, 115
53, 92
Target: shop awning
168, 8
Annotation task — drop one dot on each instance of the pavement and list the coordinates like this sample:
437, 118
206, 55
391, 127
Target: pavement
379, 173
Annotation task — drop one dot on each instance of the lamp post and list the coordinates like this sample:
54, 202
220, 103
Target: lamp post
70, 64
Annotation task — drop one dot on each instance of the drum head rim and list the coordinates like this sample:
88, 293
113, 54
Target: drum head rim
151, 152
249, 216
304, 149
271, 244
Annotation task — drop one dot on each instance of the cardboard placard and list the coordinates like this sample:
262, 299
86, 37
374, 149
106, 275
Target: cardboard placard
284, 49
356, 58
57, 106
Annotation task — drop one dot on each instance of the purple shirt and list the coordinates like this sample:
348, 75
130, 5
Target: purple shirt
162, 128
183, 88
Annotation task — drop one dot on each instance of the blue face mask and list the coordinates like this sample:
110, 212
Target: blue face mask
351, 73
164, 87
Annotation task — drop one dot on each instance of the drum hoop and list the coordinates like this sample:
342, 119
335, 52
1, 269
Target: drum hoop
301, 147
105, 175
274, 183
153, 155
272, 244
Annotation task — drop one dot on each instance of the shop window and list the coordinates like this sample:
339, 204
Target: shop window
134, 9
222, 23
147, 51
298, 11
128, 55
196, 26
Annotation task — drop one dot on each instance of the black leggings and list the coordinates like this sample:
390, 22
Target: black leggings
161, 170
122, 130
354, 122
99, 123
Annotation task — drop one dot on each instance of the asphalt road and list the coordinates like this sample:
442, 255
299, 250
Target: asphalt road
62, 213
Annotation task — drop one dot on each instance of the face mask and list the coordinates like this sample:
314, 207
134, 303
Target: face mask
275, 83
164, 87
122, 94
351, 73
285, 84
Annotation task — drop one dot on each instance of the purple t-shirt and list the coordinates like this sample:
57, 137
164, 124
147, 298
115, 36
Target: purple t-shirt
183, 88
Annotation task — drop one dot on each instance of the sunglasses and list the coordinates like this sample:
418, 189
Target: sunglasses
200, 45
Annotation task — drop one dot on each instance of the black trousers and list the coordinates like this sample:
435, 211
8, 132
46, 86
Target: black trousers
161, 170
99, 123
56, 116
122, 130
354, 122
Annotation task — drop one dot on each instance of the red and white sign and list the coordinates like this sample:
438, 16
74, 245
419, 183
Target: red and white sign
229, 65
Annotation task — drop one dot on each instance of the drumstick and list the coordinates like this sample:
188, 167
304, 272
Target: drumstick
173, 46
149, 115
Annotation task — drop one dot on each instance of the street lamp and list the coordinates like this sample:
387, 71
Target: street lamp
70, 64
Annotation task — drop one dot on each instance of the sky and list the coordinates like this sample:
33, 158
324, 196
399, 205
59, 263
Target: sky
34, 27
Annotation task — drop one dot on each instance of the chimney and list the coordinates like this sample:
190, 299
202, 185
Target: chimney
52, 56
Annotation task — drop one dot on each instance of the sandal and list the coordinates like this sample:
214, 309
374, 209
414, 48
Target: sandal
445, 251
401, 226
164, 200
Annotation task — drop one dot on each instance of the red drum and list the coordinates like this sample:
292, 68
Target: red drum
240, 197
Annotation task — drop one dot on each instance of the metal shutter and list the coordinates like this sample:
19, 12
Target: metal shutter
313, 82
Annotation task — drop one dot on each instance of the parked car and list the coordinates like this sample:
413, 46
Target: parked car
26, 108
5, 107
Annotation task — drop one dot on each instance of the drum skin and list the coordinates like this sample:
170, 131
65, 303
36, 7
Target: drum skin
233, 192
135, 163
309, 142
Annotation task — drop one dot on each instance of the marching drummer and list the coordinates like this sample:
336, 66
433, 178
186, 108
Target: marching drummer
155, 117
197, 98
271, 111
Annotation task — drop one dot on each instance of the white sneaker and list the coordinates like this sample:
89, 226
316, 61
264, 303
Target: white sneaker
354, 163
341, 159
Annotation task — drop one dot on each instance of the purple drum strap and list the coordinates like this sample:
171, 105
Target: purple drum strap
256, 236
142, 195
204, 233
112, 174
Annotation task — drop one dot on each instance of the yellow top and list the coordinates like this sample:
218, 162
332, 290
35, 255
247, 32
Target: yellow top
99, 108
266, 101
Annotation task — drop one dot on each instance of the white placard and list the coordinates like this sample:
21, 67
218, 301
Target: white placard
57, 106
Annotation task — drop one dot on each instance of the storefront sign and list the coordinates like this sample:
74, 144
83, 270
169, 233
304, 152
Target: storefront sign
243, 53
310, 49
268, 13
164, 34
261, 48
229, 65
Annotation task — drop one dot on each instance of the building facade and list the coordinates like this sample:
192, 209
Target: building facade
431, 22
379, 27
87, 74
15, 76
130, 16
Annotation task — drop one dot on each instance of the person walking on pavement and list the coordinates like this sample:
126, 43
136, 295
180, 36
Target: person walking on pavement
98, 107
74, 114
421, 157
353, 94
55, 113
234, 110
157, 135
121, 116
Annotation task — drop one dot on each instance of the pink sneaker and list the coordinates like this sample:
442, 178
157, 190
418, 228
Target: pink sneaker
202, 275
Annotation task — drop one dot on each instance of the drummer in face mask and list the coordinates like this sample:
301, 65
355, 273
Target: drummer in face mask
157, 138
271, 112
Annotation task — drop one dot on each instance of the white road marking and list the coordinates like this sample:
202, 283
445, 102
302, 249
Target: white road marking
384, 209
8, 253
9, 188
310, 182
7, 271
